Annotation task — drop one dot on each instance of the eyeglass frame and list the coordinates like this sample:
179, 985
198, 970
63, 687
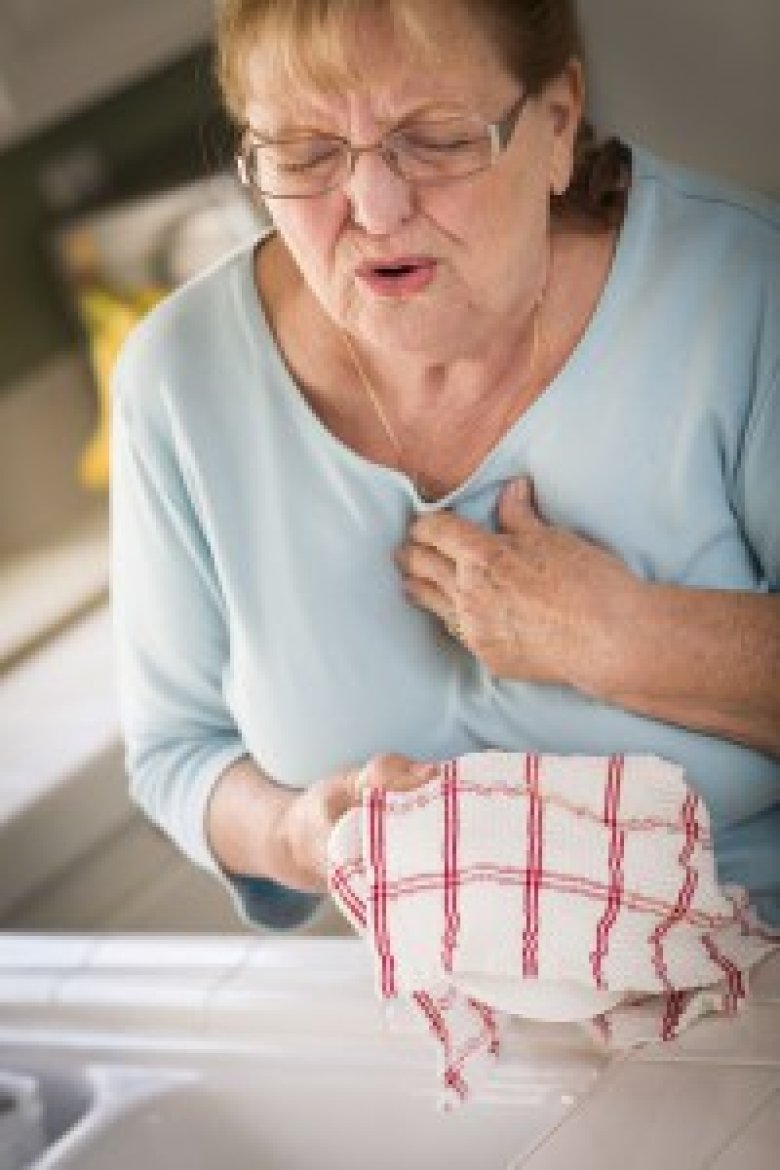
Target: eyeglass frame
499, 132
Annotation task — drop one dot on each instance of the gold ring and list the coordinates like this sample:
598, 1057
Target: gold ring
453, 627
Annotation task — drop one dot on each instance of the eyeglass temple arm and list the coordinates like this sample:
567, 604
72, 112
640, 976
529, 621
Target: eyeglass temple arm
501, 131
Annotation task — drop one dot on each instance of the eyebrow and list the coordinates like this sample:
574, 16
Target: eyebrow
287, 133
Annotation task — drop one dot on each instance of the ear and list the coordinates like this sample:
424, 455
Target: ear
565, 101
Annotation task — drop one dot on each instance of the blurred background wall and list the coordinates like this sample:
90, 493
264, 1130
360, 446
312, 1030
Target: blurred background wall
696, 80
160, 130
88, 112
106, 101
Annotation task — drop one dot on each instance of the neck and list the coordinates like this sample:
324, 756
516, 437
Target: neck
462, 415
411, 385
447, 409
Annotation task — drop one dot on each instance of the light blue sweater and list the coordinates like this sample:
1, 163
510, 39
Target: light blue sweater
258, 610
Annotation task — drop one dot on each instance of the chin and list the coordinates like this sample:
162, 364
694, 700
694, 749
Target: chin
439, 335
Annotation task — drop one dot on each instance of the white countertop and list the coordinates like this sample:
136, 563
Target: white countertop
289, 1029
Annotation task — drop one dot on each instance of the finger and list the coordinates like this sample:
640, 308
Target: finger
516, 505
448, 533
427, 595
393, 773
423, 563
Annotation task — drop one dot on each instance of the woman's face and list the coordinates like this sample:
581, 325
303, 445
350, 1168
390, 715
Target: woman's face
477, 246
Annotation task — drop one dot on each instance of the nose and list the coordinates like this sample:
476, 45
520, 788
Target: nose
381, 199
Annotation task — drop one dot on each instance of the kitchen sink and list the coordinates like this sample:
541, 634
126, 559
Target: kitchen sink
274, 1054
52, 1109
333, 1109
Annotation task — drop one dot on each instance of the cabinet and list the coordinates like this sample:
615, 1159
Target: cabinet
59, 55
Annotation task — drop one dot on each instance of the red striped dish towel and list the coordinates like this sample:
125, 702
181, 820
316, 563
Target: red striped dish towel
555, 887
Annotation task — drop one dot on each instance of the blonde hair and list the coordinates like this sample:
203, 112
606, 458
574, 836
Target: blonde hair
312, 41
315, 41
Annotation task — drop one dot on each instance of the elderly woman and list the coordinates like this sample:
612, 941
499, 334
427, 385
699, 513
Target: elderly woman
476, 447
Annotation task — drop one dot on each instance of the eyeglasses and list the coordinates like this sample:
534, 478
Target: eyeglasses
422, 150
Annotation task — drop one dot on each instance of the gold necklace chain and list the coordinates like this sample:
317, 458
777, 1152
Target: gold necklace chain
381, 413
372, 395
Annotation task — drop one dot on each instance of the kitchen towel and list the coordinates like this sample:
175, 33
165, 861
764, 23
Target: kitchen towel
551, 887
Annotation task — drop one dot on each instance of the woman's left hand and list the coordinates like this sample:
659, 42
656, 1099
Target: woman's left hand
531, 601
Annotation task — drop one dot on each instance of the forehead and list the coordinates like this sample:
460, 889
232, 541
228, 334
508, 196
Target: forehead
440, 55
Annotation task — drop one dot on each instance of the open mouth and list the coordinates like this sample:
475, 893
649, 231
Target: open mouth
395, 269
399, 277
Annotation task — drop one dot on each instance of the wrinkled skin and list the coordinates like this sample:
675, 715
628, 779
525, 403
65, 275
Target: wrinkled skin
531, 602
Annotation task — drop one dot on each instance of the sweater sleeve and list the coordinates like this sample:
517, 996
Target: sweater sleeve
170, 627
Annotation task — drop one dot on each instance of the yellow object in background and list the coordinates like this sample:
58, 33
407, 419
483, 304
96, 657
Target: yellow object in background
108, 318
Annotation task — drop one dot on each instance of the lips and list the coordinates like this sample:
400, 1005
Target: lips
398, 276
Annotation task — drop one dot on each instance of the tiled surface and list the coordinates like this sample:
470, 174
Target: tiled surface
168, 953
713, 1104
183, 981
262, 991
229, 984
138, 991
644, 1116
757, 1146
133, 982
60, 951
21, 990
33, 967
765, 980
752, 1036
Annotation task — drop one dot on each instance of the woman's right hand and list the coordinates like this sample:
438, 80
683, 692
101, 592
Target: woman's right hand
309, 818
